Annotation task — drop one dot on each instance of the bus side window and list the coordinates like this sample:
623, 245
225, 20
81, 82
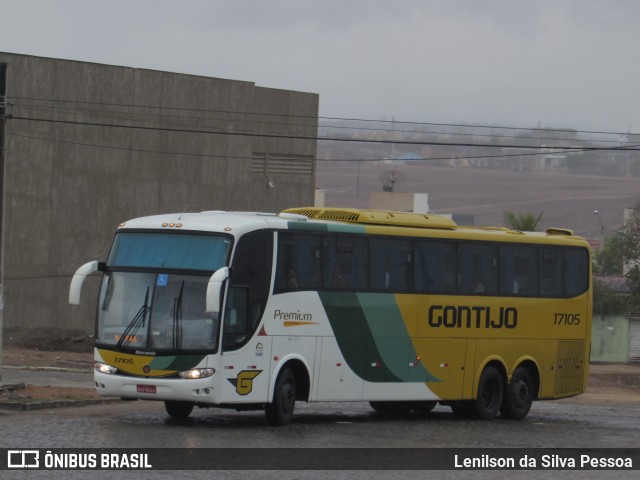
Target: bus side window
248, 291
299, 264
391, 264
576, 271
550, 272
518, 270
345, 262
435, 267
477, 269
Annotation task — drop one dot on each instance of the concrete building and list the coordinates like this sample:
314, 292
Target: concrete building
87, 146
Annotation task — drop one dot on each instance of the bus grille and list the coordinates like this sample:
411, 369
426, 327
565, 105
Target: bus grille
570, 368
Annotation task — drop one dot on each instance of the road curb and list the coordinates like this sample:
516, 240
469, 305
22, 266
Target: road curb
48, 369
27, 406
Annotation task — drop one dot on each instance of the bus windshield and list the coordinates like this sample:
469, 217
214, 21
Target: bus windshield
176, 251
153, 293
156, 311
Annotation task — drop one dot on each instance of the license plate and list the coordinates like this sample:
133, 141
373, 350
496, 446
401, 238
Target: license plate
146, 388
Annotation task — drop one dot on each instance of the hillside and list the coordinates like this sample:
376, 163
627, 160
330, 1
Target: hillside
567, 200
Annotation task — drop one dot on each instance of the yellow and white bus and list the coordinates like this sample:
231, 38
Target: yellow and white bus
253, 311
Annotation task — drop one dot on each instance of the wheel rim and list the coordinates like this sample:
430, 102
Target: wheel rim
489, 394
520, 394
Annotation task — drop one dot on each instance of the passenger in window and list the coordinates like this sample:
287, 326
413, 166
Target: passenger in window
478, 286
338, 279
292, 279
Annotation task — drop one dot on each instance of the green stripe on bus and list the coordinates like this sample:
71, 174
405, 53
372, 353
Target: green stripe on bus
373, 338
392, 338
354, 337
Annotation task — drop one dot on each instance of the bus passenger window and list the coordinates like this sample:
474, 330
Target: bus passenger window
345, 262
550, 272
390, 266
337, 280
435, 267
477, 269
299, 264
576, 271
518, 270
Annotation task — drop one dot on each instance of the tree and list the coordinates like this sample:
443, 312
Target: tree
608, 302
631, 253
524, 222
633, 280
610, 259
631, 235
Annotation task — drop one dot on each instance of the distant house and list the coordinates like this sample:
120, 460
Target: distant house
615, 283
615, 338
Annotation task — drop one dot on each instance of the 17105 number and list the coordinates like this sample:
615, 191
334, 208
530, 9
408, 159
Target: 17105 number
566, 319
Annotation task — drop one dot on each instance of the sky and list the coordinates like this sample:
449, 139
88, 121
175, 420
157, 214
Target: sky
552, 63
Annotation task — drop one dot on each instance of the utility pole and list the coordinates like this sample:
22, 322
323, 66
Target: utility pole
603, 229
3, 112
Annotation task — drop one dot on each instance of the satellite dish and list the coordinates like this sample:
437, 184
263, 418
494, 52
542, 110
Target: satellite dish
390, 178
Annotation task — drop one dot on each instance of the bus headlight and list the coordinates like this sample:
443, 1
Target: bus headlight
104, 368
197, 373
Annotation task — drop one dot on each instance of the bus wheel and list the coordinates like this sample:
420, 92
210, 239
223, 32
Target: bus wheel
519, 395
490, 393
178, 409
280, 411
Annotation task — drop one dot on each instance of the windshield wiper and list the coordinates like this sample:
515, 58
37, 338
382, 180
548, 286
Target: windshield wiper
137, 322
177, 320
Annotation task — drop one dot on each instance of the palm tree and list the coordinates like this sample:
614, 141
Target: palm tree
524, 222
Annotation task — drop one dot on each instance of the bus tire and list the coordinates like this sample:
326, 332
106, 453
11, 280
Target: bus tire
280, 411
178, 409
490, 393
519, 395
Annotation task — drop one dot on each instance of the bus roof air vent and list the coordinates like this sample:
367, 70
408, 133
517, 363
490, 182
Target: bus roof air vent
376, 217
560, 231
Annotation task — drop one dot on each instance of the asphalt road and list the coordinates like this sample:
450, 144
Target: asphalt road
557, 424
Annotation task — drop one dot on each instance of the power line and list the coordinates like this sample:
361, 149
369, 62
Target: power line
332, 118
161, 119
129, 149
105, 115
240, 157
157, 107
469, 125
458, 157
158, 118
304, 137
476, 135
324, 160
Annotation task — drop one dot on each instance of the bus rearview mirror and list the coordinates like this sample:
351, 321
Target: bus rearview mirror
214, 289
78, 280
